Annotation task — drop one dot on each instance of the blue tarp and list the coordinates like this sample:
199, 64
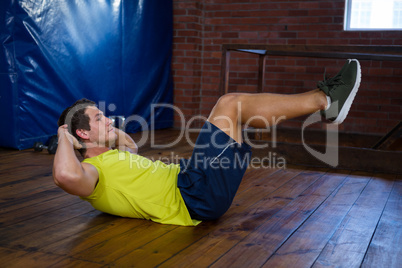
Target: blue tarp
116, 53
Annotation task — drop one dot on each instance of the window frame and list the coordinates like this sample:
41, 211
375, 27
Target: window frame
347, 21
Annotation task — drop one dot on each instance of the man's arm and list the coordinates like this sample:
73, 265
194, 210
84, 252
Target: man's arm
69, 173
124, 142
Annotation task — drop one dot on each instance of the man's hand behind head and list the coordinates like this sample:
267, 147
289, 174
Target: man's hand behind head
63, 131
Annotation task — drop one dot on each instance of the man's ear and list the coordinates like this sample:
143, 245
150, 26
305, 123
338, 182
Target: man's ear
82, 133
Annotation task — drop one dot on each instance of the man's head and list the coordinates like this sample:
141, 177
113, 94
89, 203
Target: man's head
88, 124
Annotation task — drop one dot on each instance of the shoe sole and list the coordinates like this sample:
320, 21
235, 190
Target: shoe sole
348, 103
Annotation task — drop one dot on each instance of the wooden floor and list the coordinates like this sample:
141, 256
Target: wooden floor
293, 217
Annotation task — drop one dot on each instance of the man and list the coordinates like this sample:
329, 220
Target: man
115, 180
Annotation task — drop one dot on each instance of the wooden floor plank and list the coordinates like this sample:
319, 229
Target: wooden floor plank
35, 209
124, 243
102, 227
263, 242
385, 249
21, 231
258, 189
16, 174
162, 248
253, 176
73, 263
31, 199
40, 239
10, 192
352, 238
8, 256
304, 246
16, 258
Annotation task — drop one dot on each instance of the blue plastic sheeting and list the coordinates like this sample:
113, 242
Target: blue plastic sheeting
116, 53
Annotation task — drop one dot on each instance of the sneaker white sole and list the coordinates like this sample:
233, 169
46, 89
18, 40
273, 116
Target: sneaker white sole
348, 103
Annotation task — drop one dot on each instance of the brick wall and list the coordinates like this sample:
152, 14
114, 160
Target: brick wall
201, 27
187, 57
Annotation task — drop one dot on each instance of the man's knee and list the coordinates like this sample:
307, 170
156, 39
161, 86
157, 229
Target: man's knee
229, 101
225, 114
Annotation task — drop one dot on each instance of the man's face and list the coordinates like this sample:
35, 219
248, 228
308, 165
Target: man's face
102, 131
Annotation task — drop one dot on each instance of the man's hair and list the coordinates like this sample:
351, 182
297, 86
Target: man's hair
76, 118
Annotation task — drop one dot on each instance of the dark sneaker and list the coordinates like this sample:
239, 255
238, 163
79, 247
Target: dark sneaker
341, 89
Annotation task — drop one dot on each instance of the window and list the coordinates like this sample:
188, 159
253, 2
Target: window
397, 18
373, 15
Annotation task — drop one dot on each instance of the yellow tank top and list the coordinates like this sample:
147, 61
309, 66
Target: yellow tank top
133, 186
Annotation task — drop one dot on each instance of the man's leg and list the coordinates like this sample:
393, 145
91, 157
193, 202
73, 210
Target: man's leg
208, 186
262, 110
265, 109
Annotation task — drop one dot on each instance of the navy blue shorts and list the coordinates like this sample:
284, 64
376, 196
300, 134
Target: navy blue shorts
209, 180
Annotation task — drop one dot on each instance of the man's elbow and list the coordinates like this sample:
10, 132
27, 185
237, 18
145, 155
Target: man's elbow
63, 178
